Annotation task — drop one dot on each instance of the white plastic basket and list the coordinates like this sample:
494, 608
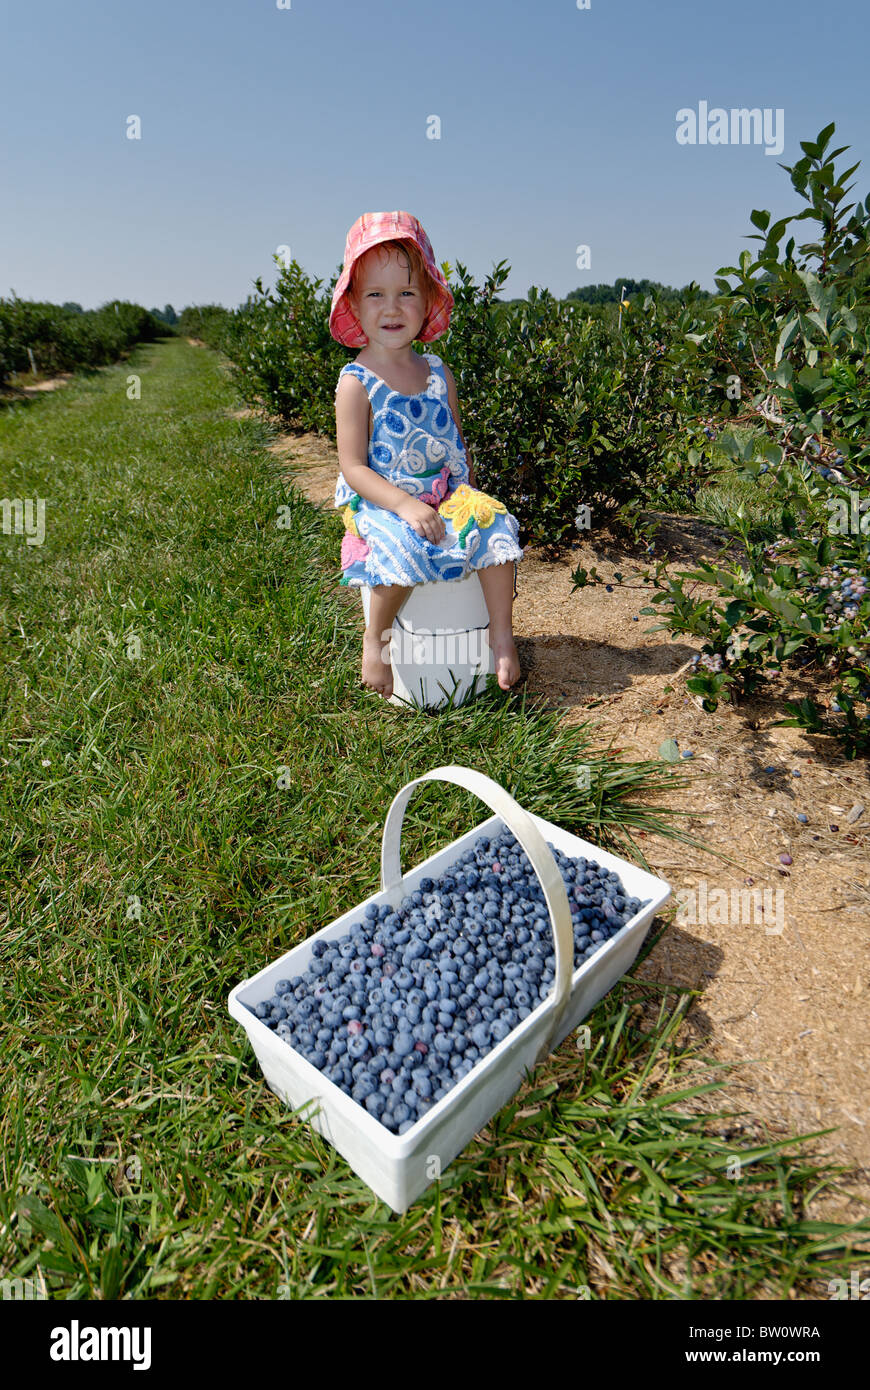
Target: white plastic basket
398, 1168
439, 644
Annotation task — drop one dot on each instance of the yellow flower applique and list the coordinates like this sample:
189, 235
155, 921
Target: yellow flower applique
348, 517
467, 507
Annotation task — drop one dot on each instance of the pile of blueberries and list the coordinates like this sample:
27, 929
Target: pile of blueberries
396, 1012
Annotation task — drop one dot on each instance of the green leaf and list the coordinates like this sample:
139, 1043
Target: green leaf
560, 1226
812, 379
825, 135
772, 451
759, 219
111, 1272
41, 1218
699, 685
784, 373
789, 330
783, 607
817, 319
747, 449
736, 612
814, 289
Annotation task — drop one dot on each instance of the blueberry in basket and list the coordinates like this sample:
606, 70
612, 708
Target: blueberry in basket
400, 1009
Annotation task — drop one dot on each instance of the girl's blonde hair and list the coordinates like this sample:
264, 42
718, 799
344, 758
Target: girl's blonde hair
415, 261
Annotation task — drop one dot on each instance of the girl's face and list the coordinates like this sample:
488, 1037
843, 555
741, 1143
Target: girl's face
387, 297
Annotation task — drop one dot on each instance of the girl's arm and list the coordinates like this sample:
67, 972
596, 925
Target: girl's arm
453, 401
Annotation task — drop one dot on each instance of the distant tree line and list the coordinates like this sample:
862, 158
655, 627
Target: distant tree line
166, 315
610, 294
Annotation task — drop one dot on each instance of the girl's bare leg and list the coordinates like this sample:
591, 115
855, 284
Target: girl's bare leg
386, 600
497, 582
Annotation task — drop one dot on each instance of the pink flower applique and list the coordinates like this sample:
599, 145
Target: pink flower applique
353, 548
440, 487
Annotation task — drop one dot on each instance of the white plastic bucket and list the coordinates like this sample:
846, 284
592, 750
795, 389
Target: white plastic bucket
398, 1168
439, 643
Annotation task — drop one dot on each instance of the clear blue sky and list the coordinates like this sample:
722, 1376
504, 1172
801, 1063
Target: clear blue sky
264, 127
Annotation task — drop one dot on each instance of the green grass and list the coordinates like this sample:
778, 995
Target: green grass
177, 819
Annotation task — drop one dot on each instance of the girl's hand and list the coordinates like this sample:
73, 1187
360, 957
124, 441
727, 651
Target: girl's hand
424, 519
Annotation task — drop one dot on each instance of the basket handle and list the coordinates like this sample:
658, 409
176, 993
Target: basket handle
535, 846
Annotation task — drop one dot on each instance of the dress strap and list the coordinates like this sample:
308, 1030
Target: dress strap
436, 366
372, 383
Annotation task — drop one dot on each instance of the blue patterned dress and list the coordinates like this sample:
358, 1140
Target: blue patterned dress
416, 445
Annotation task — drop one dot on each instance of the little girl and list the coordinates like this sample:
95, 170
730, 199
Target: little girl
411, 510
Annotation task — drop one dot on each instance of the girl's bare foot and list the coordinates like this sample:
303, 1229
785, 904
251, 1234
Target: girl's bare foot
507, 661
376, 673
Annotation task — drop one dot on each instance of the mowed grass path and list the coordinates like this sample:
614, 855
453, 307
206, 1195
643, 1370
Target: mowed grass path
193, 781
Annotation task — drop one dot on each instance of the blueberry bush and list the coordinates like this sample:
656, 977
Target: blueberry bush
546, 437
559, 412
207, 322
282, 352
789, 339
65, 339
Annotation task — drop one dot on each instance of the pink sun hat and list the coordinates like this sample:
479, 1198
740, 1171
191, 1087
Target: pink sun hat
369, 230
